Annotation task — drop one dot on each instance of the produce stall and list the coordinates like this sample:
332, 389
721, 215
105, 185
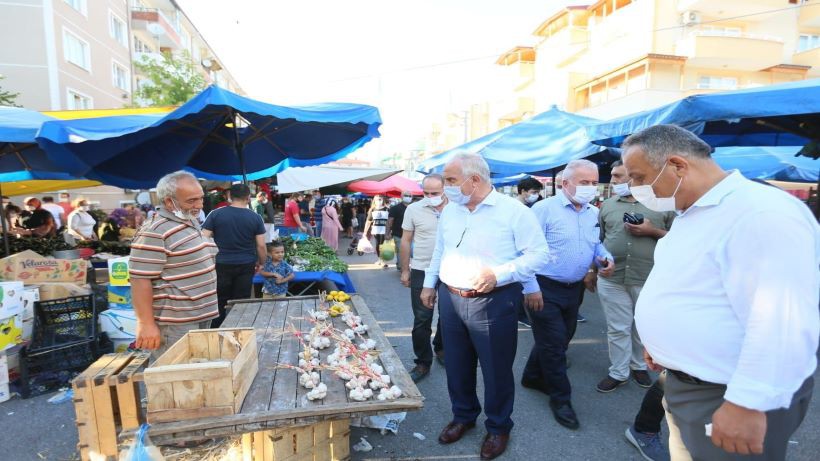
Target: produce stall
313, 263
294, 393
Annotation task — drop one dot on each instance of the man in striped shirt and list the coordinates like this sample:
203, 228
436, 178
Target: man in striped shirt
172, 269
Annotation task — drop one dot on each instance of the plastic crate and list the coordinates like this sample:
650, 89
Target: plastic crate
62, 322
46, 370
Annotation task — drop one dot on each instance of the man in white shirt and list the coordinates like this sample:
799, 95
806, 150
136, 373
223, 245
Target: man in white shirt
730, 308
56, 211
420, 223
485, 253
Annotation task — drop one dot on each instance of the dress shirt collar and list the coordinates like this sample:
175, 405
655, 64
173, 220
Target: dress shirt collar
565, 201
718, 192
491, 199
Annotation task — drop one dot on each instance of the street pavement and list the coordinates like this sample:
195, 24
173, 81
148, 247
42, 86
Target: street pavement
36, 430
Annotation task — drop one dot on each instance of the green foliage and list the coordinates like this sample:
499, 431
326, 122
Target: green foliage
7, 98
172, 80
313, 255
43, 246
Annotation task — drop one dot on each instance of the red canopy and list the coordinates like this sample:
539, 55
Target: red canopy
392, 186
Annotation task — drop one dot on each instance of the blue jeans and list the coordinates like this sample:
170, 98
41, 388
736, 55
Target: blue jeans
481, 329
552, 329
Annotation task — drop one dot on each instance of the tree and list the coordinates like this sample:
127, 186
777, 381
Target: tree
171, 80
7, 98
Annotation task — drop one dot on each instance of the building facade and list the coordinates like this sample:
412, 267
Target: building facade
80, 54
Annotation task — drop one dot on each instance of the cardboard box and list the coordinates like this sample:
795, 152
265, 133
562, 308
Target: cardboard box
49, 291
4, 368
31, 268
119, 297
4, 392
11, 331
31, 294
118, 272
11, 298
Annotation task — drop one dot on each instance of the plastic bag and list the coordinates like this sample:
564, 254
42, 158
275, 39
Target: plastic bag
387, 250
365, 246
141, 448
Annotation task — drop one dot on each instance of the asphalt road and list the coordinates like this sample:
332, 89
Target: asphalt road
36, 430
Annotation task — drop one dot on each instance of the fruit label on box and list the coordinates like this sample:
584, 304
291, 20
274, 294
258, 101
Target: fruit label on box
11, 298
118, 272
11, 331
31, 268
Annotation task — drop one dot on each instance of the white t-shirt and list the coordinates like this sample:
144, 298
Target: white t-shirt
82, 222
379, 218
56, 211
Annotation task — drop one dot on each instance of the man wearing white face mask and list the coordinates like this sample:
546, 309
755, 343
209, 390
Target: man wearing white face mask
529, 190
730, 307
419, 226
629, 231
570, 225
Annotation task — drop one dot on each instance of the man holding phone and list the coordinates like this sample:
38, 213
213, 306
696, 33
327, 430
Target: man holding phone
570, 225
630, 231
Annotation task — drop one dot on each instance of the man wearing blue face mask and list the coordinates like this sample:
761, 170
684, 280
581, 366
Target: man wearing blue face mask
484, 265
570, 225
730, 307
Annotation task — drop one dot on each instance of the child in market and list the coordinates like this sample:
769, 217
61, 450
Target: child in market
277, 272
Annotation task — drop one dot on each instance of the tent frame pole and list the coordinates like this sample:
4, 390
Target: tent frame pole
5, 227
238, 146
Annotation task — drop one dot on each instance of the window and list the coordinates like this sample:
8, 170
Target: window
120, 77
808, 42
79, 5
141, 47
717, 83
76, 50
117, 29
77, 100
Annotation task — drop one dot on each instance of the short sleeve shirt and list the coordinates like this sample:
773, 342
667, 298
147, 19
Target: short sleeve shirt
318, 205
235, 230
397, 213
270, 286
422, 221
291, 210
179, 261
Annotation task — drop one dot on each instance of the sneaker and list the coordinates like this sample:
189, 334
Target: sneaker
609, 384
642, 378
649, 446
524, 323
419, 372
581, 319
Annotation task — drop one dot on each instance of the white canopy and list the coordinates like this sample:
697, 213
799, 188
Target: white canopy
298, 179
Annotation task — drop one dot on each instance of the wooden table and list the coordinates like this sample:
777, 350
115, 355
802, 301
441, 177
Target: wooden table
275, 398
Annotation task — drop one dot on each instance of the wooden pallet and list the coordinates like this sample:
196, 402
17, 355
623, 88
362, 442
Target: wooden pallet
324, 441
106, 401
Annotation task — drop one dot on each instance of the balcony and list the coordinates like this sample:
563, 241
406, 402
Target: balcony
157, 24
514, 109
809, 58
564, 45
732, 8
810, 14
738, 52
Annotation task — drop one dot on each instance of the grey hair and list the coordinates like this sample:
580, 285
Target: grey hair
473, 165
167, 185
660, 142
579, 164
435, 176
560, 174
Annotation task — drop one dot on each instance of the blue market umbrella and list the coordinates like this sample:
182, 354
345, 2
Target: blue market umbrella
216, 135
21, 159
546, 141
768, 162
777, 115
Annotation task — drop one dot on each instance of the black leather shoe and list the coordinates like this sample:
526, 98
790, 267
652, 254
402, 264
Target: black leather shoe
494, 445
453, 432
565, 415
537, 384
642, 378
419, 372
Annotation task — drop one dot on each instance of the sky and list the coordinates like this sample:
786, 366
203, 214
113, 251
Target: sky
415, 59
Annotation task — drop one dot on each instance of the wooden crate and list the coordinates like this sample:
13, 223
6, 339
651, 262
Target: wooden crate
205, 374
106, 401
325, 441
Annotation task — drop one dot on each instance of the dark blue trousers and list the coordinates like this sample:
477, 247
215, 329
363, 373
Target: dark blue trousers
552, 328
481, 329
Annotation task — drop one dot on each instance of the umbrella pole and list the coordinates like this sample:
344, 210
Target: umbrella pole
238, 147
5, 228
553, 182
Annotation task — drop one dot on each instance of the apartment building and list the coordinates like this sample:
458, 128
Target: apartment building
609, 58
80, 54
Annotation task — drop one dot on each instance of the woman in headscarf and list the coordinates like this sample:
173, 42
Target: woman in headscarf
331, 225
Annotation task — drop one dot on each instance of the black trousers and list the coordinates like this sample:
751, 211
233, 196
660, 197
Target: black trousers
233, 281
649, 417
553, 327
423, 323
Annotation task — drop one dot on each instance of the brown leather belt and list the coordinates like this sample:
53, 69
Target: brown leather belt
466, 293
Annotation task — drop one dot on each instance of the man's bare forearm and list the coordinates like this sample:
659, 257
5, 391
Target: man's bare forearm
142, 296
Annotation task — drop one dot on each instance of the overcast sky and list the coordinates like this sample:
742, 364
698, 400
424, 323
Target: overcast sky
380, 52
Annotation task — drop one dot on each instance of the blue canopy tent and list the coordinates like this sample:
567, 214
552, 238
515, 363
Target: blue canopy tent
767, 162
546, 141
216, 135
787, 114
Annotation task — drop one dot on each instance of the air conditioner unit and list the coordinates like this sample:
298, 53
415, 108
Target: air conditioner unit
689, 18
